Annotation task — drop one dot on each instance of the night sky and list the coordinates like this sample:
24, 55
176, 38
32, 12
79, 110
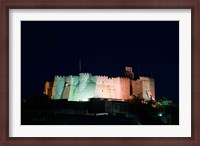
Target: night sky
50, 48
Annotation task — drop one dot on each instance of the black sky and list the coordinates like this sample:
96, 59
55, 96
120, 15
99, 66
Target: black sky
51, 48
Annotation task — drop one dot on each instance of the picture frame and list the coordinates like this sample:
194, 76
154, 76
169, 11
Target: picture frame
100, 4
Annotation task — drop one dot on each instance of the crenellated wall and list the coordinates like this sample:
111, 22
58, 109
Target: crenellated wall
103, 87
85, 86
144, 87
118, 88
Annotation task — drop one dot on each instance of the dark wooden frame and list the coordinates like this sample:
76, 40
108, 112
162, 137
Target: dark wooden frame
101, 4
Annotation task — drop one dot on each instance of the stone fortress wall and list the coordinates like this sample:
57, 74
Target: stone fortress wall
86, 86
118, 87
144, 87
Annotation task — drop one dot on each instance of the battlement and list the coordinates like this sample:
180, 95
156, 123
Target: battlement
85, 86
124, 78
144, 78
57, 78
99, 76
85, 74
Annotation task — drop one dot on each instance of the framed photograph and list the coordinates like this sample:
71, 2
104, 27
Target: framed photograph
100, 73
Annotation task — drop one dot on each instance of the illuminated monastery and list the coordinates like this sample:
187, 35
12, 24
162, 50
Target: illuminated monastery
86, 86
